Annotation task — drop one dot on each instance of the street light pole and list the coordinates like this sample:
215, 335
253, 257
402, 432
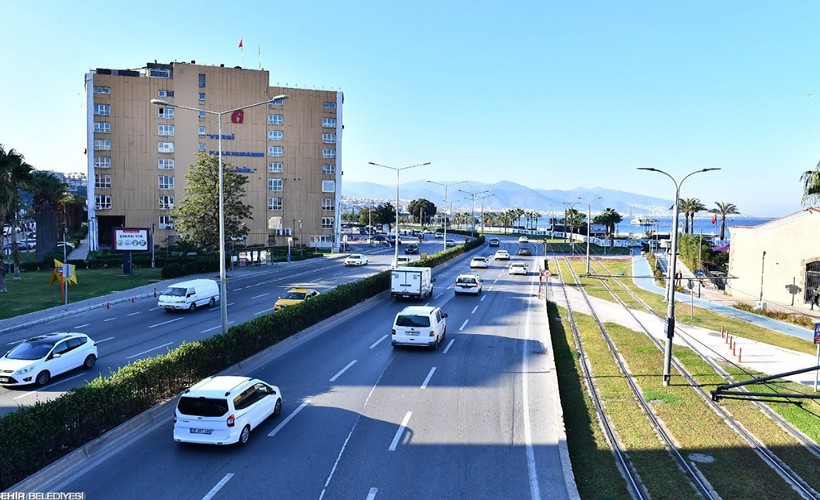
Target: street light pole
398, 171
589, 221
482, 209
569, 206
472, 207
670, 279
446, 216
223, 278
762, 268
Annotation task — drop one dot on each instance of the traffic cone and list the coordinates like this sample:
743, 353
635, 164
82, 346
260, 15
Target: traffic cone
132, 298
107, 304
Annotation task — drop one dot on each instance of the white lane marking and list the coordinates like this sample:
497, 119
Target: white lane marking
464, 324
429, 376
371, 495
51, 385
438, 295
535, 491
378, 341
474, 310
105, 340
218, 486
482, 298
149, 350
165, 322
217, 327
108, 319
289, 417
343, 370
448, 346
260, 296
264, 311
400, 431
17, 342
82, 326
154, 308
25, 395
133, 314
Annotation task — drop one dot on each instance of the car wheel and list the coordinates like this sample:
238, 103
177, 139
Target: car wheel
192, 308
89, 362
211, 302
278, 408
42, 378
245, 435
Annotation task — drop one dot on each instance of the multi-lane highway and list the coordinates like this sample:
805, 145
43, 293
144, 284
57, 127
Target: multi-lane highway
475, 419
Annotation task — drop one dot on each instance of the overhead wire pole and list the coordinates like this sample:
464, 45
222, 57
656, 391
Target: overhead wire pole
482, 209
446, 215
589, 222
223, 278
398, 171
473, 196
670, 278
569, 206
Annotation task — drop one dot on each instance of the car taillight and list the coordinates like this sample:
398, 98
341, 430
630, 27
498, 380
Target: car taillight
394, 331
175, 419
231, 421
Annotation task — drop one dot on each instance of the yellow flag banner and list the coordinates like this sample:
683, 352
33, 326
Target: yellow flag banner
63, 272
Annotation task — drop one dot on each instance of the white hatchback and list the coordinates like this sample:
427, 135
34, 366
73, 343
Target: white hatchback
468, 284
356, 259
518, 268
38, 359
502, 255
224, 410
419, 325
479, 262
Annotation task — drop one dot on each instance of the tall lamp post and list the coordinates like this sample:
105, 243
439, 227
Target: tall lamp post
670, 279
589, 222
398, 171
223, 279
473, 196
482, 197
569, 206
446, 215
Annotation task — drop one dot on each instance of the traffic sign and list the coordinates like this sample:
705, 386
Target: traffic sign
699, 273
817, 333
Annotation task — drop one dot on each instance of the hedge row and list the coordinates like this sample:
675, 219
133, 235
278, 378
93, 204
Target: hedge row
33, 437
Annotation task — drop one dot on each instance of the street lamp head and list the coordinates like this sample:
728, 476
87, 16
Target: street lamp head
159, 102
277, 98
710, 169
649, 168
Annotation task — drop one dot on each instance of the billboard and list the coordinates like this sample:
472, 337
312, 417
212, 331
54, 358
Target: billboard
131, 239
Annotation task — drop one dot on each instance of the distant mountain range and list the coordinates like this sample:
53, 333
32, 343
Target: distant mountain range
507, 194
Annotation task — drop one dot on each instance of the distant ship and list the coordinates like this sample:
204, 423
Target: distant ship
643, 220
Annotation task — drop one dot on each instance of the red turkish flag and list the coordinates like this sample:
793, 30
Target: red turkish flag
714, 218
240, 43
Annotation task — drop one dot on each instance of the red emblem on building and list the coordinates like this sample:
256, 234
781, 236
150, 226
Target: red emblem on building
238, 116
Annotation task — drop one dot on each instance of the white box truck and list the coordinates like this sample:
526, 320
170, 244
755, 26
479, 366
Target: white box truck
411, 282
188, 295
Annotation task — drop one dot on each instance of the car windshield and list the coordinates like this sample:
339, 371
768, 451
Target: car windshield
412, 320
30, 350
175, 292
295, 295
202, 407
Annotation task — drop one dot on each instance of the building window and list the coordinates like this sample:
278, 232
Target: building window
202, 80
327, 204
202, 97
277, 151
329, 169
102, 180
275, 203
201, 131
167, 113
327, 222
102, 128
165, 93
166, 182
329, 122
102, 144
201, 115
166, 202
276, 167
275, 185
165, 130
201, 147
328, 186
165, 163
102, 201
159, 73
102, 161
102, 90
102, 109
166, 222
276, 120
165, 147
276, 135
328, 153
329, 105
329, 139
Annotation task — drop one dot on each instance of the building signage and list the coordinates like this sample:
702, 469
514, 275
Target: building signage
130, 239
227, 137
238, 116
238, 153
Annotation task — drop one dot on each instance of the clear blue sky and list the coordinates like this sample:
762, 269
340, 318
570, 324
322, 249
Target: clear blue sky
553, 95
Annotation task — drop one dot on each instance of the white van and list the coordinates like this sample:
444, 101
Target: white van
189, 295
419, 325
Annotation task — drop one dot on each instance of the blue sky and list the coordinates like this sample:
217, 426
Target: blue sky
553, 95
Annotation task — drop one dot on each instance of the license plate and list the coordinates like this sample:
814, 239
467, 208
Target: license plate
201, 431
412, 332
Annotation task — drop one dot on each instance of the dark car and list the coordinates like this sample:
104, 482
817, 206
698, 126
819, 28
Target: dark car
379, 237
524, 251
411, 248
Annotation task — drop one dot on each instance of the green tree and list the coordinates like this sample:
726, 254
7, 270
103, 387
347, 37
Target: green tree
690, 207
197, 215
724, 209
47, 192
811, 186
384, 213
422, 208
609, 218
14, 171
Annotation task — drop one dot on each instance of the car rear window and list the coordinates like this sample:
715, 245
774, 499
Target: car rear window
202, 407
412, 320
470, 281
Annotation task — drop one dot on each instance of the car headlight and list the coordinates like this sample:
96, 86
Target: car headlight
24, 370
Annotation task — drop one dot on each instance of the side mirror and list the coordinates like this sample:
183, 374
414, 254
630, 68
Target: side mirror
433, 280
444, 315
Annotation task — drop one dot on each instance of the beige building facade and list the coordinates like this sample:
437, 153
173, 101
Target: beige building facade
778, 261
139, 152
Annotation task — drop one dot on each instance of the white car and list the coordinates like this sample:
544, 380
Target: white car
518, 268
468, 284
356, 259
523, 239
224, 410
438, 234
450, 243
402, 260
419, 325
479, 262
502, 255
38, 359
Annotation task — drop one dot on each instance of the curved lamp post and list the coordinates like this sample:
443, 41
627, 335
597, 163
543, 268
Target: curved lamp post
223, 279
670, 278
473, 196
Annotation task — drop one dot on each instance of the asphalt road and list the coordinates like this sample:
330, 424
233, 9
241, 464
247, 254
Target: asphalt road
475, 419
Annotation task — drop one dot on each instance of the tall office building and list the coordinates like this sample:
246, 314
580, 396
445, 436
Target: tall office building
139, 153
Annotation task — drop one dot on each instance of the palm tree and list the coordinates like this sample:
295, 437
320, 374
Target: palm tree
724, 209
609, 218
47, 191
14, 171
689, 207
811, 186
697, 206
535, 217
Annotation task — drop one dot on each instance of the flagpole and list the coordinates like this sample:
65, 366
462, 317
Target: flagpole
259, 53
